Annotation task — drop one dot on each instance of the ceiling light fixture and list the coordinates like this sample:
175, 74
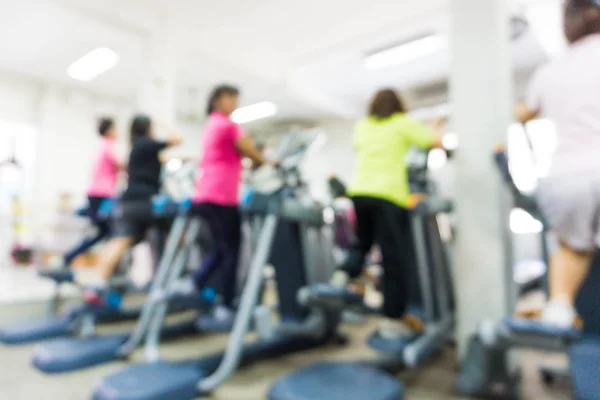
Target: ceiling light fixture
406, 52
93, 64
254, 112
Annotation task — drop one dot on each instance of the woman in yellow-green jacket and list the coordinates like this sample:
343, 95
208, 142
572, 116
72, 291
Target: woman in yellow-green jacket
381, 196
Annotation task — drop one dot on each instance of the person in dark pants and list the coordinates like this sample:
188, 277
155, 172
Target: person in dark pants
103, 187
134, 213
216, 194
381, 196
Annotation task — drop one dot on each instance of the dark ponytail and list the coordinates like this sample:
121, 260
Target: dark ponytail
216, 95
582, 18
140, 126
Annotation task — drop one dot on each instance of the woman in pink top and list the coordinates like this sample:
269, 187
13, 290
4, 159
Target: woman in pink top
216, 195
103, 187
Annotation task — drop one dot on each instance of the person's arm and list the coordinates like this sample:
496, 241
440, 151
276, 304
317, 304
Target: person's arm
525, 114
174, 139
247, 148
114, 158
423, 135
531, 106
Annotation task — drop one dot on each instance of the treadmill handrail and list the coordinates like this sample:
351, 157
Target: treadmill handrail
248, 301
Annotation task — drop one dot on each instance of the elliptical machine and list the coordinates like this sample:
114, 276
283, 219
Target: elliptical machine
287, 214
373, 379
486, 372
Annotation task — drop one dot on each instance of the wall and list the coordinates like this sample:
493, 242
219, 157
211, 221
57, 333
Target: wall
334, 157
65, 140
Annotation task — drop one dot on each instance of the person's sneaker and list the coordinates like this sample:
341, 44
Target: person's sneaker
339, 279
223, 313
93, 298
397, 329
394, 329
90, 279
559, 315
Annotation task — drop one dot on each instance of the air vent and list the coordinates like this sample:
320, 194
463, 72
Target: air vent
431, 90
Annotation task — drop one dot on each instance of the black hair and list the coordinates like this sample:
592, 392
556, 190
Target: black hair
104, 125
582, 18
140, 126
216, 94
386, 103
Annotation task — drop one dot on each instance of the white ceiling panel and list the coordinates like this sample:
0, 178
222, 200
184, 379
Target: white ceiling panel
305, 55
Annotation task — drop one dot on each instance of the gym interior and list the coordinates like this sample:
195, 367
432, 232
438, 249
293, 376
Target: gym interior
284, 200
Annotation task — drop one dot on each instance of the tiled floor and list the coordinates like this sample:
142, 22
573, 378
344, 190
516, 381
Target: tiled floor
19, 381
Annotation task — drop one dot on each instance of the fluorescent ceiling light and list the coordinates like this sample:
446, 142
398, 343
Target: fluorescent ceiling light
406, 52
93, 64
254, 112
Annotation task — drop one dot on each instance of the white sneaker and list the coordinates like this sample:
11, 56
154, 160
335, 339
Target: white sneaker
394, 329
559, 314
223, 313
90, 279
339, 279
57, 263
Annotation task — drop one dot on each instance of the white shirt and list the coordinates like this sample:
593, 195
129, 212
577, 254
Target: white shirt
567, 91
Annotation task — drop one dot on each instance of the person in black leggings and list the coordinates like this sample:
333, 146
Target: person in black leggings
103, 187
134, 214
216, 193
381, 195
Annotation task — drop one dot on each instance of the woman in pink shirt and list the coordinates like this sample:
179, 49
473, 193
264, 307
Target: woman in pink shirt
103, 187
216, 195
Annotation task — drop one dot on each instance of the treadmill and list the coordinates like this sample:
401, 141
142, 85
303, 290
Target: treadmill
288, 215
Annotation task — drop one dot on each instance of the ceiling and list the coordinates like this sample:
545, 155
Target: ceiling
306, 56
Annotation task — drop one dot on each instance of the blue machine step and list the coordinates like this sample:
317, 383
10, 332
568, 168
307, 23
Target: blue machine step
58, 276
532, 327
210, 324
130, 383
584, 361
35, 330
157, 381
328, 291
394, 348
337, 381
69, 354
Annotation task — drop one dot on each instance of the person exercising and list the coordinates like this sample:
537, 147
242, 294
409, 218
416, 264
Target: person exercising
381, 197
216, 194
566, 92
103, 187
134, 214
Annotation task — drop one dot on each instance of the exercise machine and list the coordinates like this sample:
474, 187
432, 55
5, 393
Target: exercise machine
81, 320
69, 354
287, 215
434, 302
486, 371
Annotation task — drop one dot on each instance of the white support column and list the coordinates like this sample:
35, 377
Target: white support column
156, 96
481, 94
